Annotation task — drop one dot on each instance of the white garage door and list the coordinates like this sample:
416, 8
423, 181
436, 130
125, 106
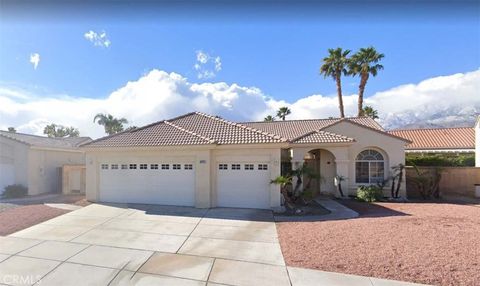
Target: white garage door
7, 175
166, 183
243, 185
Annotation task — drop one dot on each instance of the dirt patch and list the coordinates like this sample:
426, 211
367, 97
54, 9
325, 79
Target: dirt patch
419, 242
21, 217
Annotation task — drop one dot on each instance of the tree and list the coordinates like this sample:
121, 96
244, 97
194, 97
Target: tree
370, 112
54, 130
283, 112
12, 129
269, 118
364, 63
334, 66
111, 124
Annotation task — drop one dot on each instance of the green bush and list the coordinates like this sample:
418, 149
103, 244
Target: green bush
369, 193
15, 191
441, 160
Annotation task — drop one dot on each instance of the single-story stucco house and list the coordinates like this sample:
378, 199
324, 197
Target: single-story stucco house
206, 161
34, 161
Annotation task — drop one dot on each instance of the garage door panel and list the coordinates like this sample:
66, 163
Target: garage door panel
148, 186
243, 188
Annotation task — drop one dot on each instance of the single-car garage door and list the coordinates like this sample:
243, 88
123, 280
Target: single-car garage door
243, 185
166, 183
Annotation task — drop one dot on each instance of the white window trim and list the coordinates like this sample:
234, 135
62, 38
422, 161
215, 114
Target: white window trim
369, 177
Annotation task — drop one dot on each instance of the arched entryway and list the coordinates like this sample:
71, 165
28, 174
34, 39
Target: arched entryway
322, 162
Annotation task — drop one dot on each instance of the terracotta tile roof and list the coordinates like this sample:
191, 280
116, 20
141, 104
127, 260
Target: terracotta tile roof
322, 137
438, 138
46, 142
224, 131
292, 129
190, 129
158, 134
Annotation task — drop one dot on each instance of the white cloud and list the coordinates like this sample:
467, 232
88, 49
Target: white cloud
160, 95
207, 66
35, 60
99, 39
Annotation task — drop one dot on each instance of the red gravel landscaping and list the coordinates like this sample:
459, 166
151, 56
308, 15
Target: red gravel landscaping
18, 218
432, 243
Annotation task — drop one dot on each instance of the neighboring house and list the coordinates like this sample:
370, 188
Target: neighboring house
34, 161
477, 142
457, 140
206, 161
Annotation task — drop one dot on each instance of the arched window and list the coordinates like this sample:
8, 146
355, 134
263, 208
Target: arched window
369, 167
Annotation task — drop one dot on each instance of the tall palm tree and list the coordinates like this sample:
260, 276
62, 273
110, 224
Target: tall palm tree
364, 63
111, 124
283, 112
269, 118
334, 66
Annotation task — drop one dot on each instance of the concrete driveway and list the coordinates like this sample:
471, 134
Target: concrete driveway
156, 245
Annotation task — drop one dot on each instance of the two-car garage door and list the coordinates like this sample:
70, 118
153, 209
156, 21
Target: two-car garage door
241, 185
162, 182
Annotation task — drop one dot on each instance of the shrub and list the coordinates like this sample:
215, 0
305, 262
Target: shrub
441, 160
15, 191
369, 193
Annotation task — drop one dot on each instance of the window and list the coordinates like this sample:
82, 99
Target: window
165, 166
143, 166
369, 167
133, 166
114, 166
235, 166
176, 166
262, 166
154, 166
188, 167
124, 166
222, 166
248, 166
104, 166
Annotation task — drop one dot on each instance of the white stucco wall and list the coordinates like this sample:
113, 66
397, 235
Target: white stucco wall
205, 159
44, 174
14, 153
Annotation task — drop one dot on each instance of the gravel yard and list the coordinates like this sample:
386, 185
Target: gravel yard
432, 243
17, 214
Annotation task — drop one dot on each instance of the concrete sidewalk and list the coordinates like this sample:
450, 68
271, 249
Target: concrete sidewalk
157, 245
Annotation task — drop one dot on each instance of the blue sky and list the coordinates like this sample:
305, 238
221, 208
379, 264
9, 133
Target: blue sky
277, 49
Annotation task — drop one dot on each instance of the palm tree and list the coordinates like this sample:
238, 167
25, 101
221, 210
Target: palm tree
269, 118
334, 66
283, 112
111, 124
364, 63
370, 112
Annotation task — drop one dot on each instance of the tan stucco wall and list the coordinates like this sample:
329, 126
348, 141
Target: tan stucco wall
16, 153
392, 148
205, 167
44, 168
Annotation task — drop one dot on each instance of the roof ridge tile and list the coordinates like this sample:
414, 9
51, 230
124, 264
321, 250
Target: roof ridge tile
209, 140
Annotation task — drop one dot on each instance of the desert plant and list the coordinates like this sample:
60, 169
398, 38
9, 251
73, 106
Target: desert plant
397, 178
284, 182
15, 191
427, 182
369, 194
